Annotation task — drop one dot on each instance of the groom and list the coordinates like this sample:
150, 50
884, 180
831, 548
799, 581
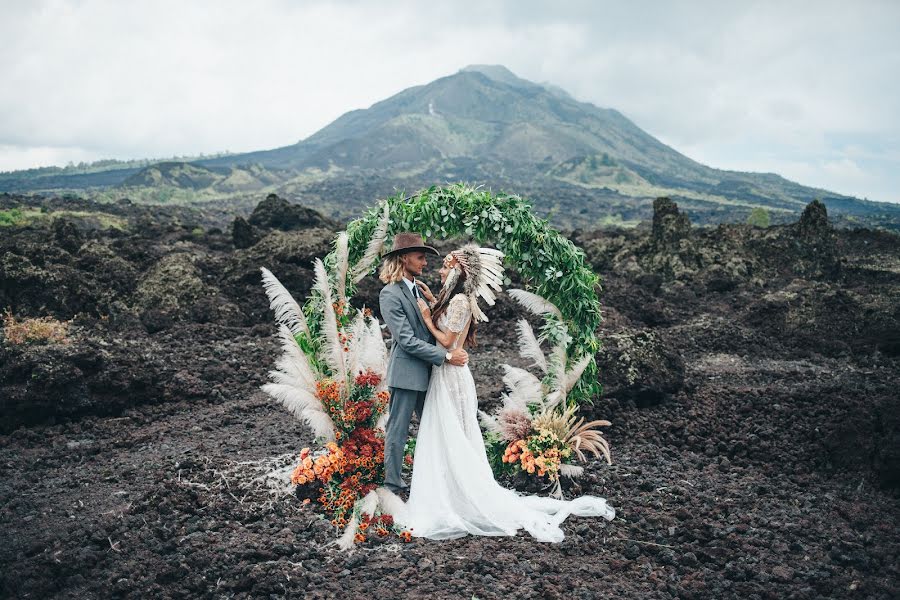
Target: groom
413, 350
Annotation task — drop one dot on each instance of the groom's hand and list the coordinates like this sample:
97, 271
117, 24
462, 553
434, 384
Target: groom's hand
458, 357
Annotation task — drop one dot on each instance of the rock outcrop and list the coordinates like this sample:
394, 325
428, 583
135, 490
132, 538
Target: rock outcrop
277, 213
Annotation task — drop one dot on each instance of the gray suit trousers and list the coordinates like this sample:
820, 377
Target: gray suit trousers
403, 402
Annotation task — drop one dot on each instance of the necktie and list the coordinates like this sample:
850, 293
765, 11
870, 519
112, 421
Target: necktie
416, 291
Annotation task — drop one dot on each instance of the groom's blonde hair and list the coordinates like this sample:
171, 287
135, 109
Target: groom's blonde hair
391, 270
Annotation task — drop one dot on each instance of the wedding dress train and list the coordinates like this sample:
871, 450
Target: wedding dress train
453, 491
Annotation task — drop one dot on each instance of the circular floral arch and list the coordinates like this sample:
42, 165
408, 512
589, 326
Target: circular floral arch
549, 264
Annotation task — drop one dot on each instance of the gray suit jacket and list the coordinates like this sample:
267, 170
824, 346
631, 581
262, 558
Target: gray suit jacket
413, 350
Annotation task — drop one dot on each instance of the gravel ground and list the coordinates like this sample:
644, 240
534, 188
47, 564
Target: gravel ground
754, 435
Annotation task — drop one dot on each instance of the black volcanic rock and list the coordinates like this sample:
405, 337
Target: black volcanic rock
669, 225
90, 375
277, 213
288, 254
39, 277
176, 288
243, 234
819, 256
671, 251
142, 465
869, 438
638, 367
66, 235
813, 224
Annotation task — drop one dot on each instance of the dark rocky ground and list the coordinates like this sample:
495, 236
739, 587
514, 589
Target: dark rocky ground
751, 377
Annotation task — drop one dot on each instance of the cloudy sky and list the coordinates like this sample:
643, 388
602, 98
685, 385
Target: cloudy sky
809, 90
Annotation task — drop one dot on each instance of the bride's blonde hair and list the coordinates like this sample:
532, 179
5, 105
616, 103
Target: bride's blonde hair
391, 270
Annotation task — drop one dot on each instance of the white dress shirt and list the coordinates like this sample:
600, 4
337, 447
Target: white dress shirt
412, 287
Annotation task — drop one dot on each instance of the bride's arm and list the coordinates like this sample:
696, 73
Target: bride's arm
445, 338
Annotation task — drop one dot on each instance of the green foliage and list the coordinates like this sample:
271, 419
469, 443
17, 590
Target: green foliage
409, 452
759, 217
549, 264
622, 177
30, 216
164, 194
10, 217
495, 448
108, 164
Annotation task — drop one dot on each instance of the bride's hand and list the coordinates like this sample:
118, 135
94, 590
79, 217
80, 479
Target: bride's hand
425, 291
426, 311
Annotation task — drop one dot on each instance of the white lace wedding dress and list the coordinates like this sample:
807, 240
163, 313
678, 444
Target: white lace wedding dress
453, 491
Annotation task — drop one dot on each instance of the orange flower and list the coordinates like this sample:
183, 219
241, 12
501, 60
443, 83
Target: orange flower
360, 537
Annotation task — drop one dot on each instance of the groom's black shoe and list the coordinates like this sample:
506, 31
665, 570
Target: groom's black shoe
402, 493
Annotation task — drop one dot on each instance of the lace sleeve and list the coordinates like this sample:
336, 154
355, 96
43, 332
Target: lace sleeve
458, 313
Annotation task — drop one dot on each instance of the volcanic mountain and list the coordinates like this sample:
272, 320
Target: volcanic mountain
583, 165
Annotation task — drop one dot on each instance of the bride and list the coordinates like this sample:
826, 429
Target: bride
453, 491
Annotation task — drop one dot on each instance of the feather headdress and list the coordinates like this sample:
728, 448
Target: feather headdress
484, 275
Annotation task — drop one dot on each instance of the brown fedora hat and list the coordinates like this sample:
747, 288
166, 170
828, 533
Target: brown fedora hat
406, 241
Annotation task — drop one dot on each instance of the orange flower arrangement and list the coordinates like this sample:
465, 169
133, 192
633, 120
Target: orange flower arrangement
540, 454
351, 466
337, 478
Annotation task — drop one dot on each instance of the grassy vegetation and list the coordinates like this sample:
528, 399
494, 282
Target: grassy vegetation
759, 217
100, 166
24, 216
616, 220
18, 216
647, 190
159, 195
41, 330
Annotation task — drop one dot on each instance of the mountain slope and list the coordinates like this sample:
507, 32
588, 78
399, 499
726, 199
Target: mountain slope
581, 164
488, 115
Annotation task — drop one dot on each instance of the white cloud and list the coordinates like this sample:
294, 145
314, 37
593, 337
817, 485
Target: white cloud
133, 79
14, 158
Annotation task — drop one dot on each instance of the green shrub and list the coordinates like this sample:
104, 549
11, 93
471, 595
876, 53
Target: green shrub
759, 217
10, 217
